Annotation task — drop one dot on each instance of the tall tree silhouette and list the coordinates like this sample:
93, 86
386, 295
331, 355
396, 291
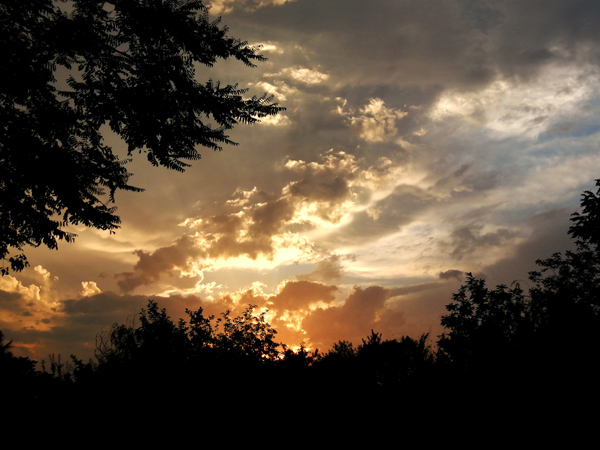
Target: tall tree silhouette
485, 328
17, 377
128, 64
586, 224
548, 334
566, 297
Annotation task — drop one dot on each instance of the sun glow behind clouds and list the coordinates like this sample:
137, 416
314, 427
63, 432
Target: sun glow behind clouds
445, 147
39, 297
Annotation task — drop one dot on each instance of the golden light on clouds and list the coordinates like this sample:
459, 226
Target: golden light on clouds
33, 306
226, 6
417, 144
89, 288
376, 122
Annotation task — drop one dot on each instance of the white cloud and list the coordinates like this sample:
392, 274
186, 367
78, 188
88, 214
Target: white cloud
301, 74
513, 108
279, 89
269, 47
308, 76
280, 120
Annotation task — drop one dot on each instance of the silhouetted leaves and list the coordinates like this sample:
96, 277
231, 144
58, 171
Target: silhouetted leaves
504, 346
70, 68
544, 340
586, 224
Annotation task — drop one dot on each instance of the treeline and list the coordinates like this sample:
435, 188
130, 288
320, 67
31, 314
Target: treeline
500, 344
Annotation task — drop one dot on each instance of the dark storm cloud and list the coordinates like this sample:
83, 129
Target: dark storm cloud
82, 322
74, 327
99, 309
548, 232
9, 300
151, 266
465, 240
452, 273
427, 42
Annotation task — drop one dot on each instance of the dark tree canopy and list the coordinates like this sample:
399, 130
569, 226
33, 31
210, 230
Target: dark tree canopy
548, 333
126, 64
531, 350
586, 224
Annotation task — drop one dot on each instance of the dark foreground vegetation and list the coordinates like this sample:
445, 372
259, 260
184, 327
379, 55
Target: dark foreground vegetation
501, 346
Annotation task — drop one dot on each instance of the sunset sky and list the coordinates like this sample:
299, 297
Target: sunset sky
422, 139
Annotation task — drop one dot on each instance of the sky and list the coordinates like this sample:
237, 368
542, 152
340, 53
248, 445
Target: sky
422, 139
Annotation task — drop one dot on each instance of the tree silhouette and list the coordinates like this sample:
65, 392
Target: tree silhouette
497, 339
165, 346
376, 370
19, 381
247, 336
129, 65
531, 349
586, 224
13, 366
483, 326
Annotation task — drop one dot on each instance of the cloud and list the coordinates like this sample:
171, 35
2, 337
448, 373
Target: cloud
465, 240
376, 122
421, 140
362, 311
89, 288
516, 108
151, 266
226, 6
328, 269
323, 184
308, 76
32, 306
457, 44
298, 295
261, 225
452, 273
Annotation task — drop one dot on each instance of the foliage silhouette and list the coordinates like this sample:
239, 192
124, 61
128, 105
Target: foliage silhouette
22, 385
377, 369
14, 370
248, 336
484, 325
586, 224
500, 338
129, 65
501, 346
167, 349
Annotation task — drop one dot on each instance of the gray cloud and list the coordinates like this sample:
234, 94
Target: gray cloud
468, 239
452, 273
328, 269
256, 217
426, 42
151, 266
